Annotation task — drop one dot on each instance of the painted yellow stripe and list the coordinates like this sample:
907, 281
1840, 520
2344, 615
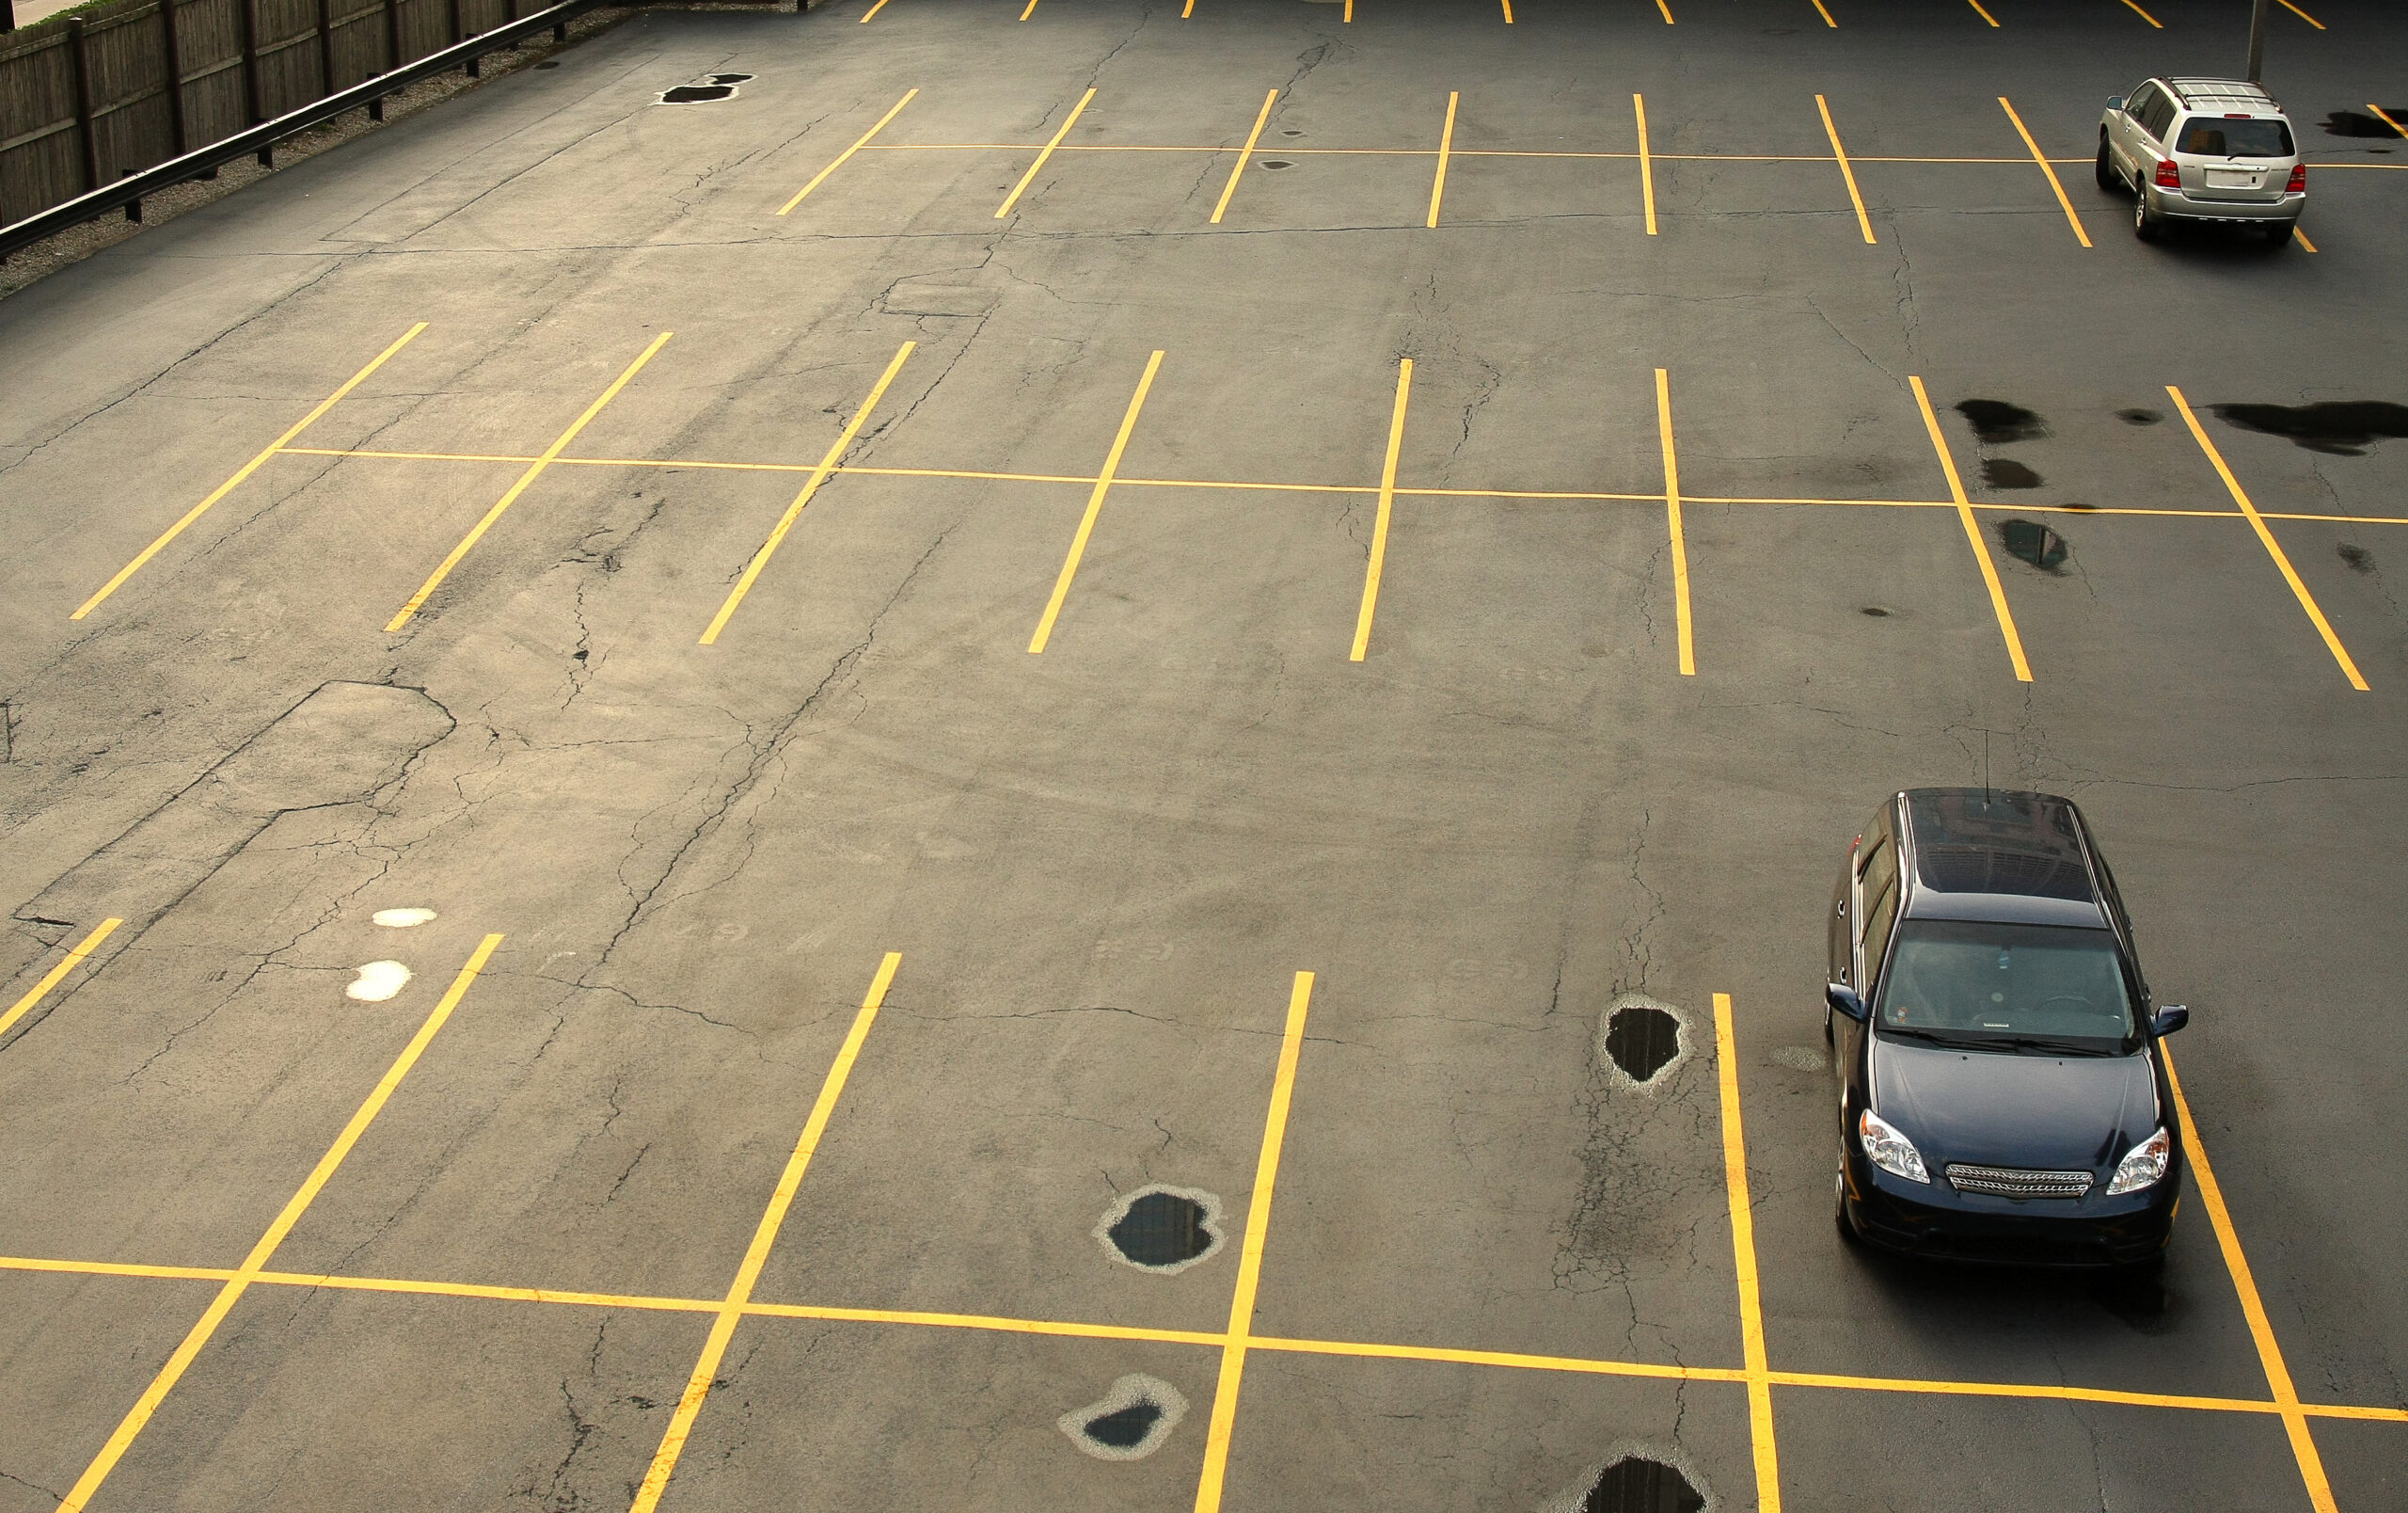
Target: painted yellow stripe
1388, 507
2144, 15
1743, 1251
1672, 518
2274, 547
1974, 535
1665, 7
57, 974
836, 454
845, 156
1258, 1223
1245, 154
534, 470
1509, 11
2302, 15
757, 1255
2261, 1331
2071, 219
241, 473
1839, 153
1646, 162
2301, 237
1979, 12
1825, 14
1021, 189
988, 1322
1095, 507
198, 1335
2385, 118
873, 10
1445, 151
1030, 12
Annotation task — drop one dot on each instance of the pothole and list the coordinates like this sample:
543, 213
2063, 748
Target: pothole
2004, 472
2337, 427
1129, 1423
2359, 558
1638, 1485
1641, 1036
1290, 131
1278, 163
1998, 422
2032, 542
402, 919
721, 87
731, 78
2140, 416
1876, 611
377, 982
1163, 1229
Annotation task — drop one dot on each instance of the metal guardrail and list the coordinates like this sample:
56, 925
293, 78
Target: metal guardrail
259, 140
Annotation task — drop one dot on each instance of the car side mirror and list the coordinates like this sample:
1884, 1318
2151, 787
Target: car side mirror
1845, 999
2114, 102
2169, 1019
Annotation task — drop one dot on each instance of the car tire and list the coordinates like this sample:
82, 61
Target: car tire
2146, 223
2108, 178
1839, 1212
2278, 237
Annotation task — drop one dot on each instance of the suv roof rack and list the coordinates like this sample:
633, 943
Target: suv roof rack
2192, 91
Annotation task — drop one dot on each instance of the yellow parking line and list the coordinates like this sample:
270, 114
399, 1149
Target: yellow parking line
1974, 534
821, 176
227, 1295
1509, 11
1646, 164
1672, 516
874, 11
1825, 15
835, 453
1095, 507
1743, 1250
2261, 1331
1388, 506
1021, 187
1667, 10
2274, 547
1245, 152
2144, 15
1257, 1222
2071, 219
55, 975
1510, 1359
1864, 222
1030, 12
757, 1255
245, 471
1446, 148
1979, 12
2385, 118
2301, 237
534, 470
2302, 14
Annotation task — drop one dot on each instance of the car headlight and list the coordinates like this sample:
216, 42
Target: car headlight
1889, 1150
2144, 1164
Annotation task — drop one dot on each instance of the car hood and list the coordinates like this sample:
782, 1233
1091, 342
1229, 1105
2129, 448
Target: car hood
2028, 1110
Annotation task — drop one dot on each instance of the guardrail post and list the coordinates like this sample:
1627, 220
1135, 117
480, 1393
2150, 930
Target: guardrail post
459, 34
392, 52
254, 108
83, 134
325, 48
175, 64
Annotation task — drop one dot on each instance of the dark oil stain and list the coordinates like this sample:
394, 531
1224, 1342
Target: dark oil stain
1278, 163
2030, 541
1997, 422
1161, 1229
2359, 558
1876, 611
1128, 1428
2140, 416
2073, 506
1641, 1040
1290, 131
687, 94
1639, 1486
730, 78
2340, 428
2358, 123
2000, 472
550, 63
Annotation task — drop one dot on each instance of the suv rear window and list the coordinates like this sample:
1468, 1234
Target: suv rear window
2222, 136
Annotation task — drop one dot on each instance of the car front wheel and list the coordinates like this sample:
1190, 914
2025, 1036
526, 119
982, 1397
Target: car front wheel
2108, 178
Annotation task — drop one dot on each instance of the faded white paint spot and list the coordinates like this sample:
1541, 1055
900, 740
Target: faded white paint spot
1130, 1424
402, 919
378, 982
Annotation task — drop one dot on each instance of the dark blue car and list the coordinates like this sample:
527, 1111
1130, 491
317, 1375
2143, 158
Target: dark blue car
2001, 1094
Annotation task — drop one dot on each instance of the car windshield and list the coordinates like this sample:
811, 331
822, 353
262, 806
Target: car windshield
2208, 137
2006, 987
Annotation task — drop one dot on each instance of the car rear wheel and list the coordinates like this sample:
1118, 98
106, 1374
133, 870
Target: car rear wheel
2108, 178
2278, 236
2146, 223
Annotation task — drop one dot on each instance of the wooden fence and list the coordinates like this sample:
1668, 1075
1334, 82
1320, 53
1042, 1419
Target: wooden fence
121, 88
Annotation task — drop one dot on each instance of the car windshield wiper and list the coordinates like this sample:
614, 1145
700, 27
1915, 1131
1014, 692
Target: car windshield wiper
2042, 1043
1961, 1043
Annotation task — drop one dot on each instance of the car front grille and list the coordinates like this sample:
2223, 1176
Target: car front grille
2008, 1182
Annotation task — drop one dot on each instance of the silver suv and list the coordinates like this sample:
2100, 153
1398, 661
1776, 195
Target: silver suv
2203, 149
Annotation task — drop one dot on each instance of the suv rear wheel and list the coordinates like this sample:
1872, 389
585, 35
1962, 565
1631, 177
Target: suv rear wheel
2146, 223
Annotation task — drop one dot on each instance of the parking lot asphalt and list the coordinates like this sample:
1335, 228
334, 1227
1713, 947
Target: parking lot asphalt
1178, 605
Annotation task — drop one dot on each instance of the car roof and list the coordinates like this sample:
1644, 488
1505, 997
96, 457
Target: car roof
1992, 854
2198, 92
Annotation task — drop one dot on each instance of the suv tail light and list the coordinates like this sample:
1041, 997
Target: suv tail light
2168, 176
2298, 180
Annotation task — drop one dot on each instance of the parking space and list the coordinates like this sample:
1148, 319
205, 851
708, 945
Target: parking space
1134, 722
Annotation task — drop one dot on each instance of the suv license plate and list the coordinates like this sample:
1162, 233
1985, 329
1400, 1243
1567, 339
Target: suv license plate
2235, 178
